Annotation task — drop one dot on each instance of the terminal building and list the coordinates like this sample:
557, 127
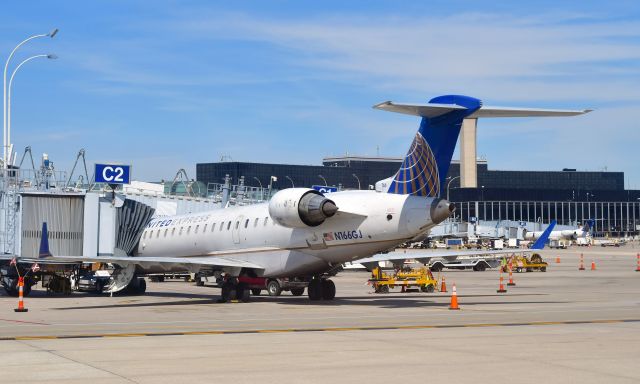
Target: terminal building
568, 195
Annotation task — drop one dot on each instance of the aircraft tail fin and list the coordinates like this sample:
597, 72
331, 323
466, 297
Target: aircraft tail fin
44, 243
588, 226
542, 241
426, 164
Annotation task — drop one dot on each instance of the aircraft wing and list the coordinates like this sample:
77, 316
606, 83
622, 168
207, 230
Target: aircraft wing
146, 261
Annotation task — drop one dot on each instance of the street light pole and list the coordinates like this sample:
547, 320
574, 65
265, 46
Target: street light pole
356, 176
4, 90
9, 92
449, 183
288, 178
323, 179
258, 180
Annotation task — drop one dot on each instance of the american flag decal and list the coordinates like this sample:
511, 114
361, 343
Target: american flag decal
328, 236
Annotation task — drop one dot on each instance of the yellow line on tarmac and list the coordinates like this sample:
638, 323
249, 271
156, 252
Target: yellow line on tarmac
335, 329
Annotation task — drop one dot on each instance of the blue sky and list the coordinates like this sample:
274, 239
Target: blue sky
164, 85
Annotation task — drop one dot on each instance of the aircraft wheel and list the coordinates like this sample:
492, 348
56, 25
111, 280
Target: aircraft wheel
315, 290
518, 269
243, 293
427, 288
297, 291
328, 290
274, 288
228, 292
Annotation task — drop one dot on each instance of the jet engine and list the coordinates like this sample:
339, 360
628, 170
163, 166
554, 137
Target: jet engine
300, 208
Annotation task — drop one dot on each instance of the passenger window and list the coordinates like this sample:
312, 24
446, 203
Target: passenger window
265, 221
144, 235
255, 223
158, 234
197, 227
173, 231
180, 233
237, 223
188, 230
221, 225
246, 223
165, 232
228, 226
213, 226
205, 228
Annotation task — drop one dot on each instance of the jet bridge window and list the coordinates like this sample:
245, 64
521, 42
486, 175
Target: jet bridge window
246, 223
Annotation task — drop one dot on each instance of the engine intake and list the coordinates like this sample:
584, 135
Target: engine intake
300, 208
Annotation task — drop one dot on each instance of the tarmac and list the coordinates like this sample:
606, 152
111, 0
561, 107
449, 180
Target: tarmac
559, 326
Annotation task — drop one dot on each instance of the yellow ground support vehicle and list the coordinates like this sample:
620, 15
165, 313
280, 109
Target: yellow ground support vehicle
522, 263
413, 278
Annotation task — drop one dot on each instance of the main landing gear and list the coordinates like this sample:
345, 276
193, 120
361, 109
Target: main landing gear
233, 290
321, 289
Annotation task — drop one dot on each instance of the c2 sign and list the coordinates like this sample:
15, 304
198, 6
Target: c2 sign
113, 173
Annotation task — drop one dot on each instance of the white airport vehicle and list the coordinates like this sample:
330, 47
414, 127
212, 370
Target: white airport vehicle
301, 233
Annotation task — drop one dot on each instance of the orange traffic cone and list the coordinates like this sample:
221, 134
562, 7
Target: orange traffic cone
581, 268
501, 288
454, 298
511, 282
593, 265
638, 262
443, 285
21, 307
557, 259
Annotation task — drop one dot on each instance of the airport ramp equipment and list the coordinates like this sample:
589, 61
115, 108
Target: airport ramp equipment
131, 220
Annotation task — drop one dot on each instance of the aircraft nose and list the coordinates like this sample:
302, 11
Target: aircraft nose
441, 209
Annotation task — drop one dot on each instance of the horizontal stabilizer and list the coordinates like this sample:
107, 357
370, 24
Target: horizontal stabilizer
525, 112
424, 110
433, 110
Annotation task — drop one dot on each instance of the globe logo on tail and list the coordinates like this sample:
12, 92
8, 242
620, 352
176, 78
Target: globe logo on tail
418, 174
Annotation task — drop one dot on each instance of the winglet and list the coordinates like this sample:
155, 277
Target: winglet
44, 243
540, 243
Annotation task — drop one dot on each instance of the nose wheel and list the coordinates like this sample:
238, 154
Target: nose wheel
321, 289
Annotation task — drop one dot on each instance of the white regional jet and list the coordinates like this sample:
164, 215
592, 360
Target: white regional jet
300, 233
567, 234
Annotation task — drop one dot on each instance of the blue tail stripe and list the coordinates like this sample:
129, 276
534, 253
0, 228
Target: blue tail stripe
542, 241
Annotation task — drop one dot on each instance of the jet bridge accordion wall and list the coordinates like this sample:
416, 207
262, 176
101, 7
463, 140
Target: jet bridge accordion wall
131, 220
64, 217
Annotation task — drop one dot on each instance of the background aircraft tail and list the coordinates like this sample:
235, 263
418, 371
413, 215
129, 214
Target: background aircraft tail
540, 243
427, 162
588, 226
